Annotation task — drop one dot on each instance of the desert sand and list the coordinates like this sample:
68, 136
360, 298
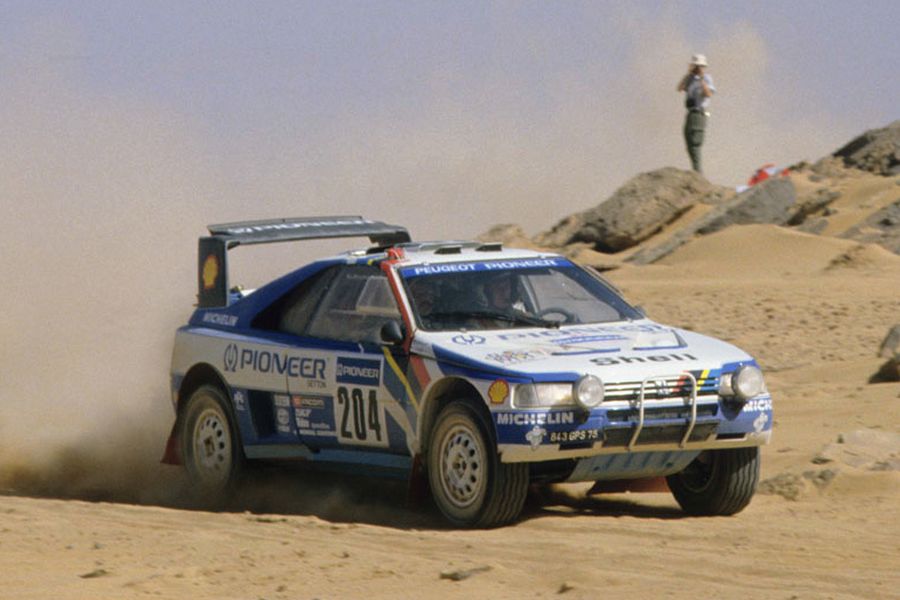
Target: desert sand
812, 309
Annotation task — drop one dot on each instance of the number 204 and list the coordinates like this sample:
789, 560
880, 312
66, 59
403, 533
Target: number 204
360, 417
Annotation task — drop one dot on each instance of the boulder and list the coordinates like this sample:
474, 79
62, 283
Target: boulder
771, 201
636, 211
889, 349
768, 202
876, 151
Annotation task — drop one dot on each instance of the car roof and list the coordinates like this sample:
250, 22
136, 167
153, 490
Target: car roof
441, 252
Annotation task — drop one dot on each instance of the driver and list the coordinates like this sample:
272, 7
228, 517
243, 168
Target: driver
498, 292
500, 299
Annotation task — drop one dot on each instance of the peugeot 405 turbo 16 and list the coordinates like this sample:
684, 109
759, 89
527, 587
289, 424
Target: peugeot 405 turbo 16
476, 368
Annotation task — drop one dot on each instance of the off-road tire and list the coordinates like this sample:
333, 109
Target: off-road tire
210, 444
717, 482
469, 484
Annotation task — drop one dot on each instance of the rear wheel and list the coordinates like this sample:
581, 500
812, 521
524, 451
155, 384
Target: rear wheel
717, 482
210, 444
470, 485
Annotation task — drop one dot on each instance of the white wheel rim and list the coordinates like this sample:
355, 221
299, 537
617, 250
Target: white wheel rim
462, 466
212, 447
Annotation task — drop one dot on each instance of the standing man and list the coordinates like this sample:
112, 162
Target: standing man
697, 87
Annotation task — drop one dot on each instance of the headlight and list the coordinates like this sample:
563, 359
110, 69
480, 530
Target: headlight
542, 395
747, 381
589, 391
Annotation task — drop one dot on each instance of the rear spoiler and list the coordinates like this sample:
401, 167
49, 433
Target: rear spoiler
212, 273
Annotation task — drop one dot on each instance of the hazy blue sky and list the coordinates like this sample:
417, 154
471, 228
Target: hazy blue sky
510, 111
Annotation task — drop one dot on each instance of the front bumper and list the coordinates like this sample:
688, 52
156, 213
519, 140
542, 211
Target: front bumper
697, 420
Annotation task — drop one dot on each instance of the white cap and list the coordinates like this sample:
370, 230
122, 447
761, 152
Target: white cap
699, 60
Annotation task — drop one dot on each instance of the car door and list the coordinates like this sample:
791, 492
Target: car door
354, 409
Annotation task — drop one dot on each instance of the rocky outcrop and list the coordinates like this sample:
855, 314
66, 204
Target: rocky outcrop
769, 202
876, 151
635, 212
510, 235
882, 227
656, 212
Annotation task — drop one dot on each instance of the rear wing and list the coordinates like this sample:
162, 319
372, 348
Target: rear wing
213, 249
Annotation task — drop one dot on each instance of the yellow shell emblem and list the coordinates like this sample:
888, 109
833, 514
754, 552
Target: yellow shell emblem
210, 271
498, 391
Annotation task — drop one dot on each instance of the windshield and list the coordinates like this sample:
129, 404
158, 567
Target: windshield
510, 294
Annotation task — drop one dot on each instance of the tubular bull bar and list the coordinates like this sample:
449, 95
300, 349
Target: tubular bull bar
641, 401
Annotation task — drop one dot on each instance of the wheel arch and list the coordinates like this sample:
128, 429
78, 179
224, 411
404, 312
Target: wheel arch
199, 375
440, 395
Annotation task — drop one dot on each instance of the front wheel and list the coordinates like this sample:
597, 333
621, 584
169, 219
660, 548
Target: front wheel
470, 485
210, 444
717, 482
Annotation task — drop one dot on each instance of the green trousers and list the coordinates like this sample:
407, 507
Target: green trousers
694, 127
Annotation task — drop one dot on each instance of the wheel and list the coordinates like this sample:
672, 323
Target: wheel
717, 482
210, 445
568, 316
470, 485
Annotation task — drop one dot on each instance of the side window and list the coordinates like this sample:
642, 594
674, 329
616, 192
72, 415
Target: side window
291, 312
355, 307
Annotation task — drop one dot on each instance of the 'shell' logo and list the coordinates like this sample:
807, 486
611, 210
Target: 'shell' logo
210, 272
231, 357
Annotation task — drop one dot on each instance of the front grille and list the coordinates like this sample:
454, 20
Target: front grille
661, 388
663, 412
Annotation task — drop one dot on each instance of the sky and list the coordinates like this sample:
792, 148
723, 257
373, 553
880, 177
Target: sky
126, 127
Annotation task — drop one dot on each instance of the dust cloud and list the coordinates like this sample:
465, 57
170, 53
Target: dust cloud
103, 195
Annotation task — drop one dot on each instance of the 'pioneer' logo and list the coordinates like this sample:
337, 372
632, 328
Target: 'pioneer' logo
264, 361
231, 358
360, 371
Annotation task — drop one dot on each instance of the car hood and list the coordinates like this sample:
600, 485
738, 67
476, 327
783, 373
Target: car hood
632, 349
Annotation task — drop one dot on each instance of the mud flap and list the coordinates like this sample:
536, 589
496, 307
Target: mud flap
417, 490
172, 454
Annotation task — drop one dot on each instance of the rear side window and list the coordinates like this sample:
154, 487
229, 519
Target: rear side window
291, 312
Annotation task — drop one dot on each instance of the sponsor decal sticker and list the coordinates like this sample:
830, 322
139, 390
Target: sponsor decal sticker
265, 361
535, 436
210, 271
500, 265
532, 418
515, 357
606, 361
220, 319
758, 405
361, 371
231, 358
240, 401
760, 422
498, 392
468, 339
307, 402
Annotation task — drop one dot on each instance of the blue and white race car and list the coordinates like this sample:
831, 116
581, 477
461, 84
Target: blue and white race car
478, 368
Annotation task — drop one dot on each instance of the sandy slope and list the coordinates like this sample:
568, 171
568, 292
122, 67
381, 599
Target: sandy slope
812, 309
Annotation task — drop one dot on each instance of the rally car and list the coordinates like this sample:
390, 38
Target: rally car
476, 368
